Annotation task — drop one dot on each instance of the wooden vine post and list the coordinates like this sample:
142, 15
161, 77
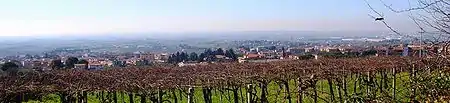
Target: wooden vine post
330, 85
207, 95
412, 80
381, 83
160, 95
355, 85
300, 90
143, 98
236, 95
249, 93
175, 98
393, 83
314, 86
130, 95
315, 92
190, 95
115, 96
64, 97
85, 96
288, 91
263, 86
369, 83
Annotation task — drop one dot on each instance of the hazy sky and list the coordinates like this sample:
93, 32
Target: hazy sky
74, 17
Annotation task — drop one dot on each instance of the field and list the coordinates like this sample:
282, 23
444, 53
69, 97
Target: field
275, 94
371, 79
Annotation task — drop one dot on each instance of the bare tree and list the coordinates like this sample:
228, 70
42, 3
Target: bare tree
431, 17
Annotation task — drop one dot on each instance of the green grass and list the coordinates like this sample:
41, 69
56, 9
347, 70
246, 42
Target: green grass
276, 94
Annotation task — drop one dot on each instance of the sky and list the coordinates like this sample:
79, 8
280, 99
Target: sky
90, 17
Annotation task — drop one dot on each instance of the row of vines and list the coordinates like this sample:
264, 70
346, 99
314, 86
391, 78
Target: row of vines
371, 79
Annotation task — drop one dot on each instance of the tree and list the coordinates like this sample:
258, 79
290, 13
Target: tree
142, 62
369, 52
431, 18
56, 64
272, 48
219, 52
172, 58
230, 54
184, 57
201, 57
9, 66
432, 21
193, 56
227, 54
209, 55
178, 57
306, 57
71, 61
83, 61
208, 52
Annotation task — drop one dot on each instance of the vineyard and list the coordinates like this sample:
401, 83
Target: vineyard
370, 79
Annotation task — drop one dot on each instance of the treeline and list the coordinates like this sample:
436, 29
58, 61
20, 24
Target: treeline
208, 55
68, 64
348, 54
13, 67
339, 54
9, 68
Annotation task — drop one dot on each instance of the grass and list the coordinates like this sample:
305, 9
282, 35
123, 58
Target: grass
276, 92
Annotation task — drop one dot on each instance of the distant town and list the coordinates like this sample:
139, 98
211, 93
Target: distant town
235, 51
